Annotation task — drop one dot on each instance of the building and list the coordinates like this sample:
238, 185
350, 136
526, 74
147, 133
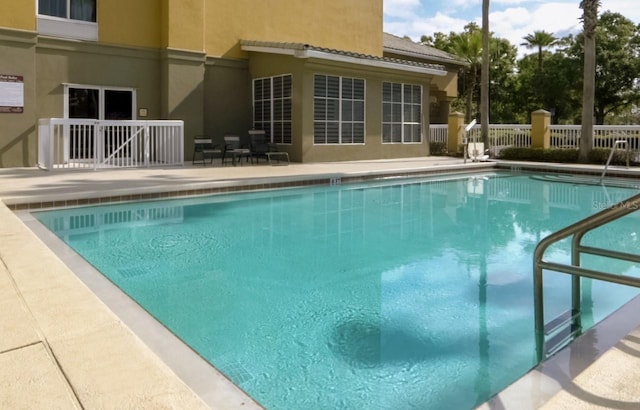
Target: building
320, 77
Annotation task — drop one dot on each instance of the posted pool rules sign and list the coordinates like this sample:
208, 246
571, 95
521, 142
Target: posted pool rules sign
11, 94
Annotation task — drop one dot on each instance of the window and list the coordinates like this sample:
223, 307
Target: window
75, 19
272, 107
338, 110
84, 10
401, 113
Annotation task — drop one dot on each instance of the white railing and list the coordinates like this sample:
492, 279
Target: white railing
562, 136
93, 144
604, 136
502, 136
105, 220
438, 133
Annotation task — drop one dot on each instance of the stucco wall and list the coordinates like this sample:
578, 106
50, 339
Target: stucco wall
131, 22
227, 99
18, 142
302, 148
353, 25
60, 62
18, 14
373, 147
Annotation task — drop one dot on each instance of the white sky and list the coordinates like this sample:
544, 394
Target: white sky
510, 19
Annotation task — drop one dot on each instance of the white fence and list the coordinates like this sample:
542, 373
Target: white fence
562, 136
438, 133
92, 144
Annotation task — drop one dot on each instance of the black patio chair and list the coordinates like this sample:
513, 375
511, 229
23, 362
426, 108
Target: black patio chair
204, 147
233, 150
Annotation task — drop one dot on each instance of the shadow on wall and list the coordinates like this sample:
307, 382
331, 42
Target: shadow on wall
6, 160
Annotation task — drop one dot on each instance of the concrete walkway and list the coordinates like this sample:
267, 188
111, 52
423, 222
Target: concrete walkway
63, 347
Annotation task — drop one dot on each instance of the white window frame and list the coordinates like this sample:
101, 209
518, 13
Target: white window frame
271, 100
66, 27
101, 99
341, 122
403, 104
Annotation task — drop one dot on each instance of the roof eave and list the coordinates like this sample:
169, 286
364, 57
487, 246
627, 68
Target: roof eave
323, 55
270, 50
425, 56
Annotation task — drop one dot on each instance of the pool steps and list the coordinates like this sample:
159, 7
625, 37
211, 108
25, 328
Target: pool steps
570, 323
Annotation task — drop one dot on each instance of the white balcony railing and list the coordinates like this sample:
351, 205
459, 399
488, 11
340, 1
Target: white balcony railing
93, 144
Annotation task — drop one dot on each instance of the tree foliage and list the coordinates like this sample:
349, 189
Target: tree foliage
540, 39
552, 77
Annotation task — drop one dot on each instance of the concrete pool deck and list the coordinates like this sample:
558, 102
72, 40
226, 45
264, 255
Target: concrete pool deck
64, 347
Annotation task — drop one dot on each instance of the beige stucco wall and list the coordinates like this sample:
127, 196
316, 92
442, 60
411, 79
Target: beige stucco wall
183, 59
184, 23
227, 99
448, 83
353, 25
132, 23
183, 90
373, 147
302, 148
60, 62
18, 143
18, 14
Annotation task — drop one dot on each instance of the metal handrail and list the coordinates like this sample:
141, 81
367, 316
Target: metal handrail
578, 230
613, 150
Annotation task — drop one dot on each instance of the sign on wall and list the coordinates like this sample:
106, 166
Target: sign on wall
11, 93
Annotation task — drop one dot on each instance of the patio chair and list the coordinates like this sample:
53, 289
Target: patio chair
204, 147
261, 148
233, 150
477, 152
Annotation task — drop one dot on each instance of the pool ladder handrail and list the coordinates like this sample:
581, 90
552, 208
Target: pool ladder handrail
567, 326
613, 150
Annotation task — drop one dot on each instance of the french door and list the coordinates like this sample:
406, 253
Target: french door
99, 103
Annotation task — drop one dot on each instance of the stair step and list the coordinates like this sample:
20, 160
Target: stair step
561, 339
564, 319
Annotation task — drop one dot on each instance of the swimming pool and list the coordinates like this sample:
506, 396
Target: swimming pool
399, 294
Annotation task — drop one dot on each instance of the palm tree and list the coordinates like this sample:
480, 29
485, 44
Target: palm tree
484, 75
589, 21
468, 46
540, 40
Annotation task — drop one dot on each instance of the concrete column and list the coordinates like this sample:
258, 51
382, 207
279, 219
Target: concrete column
455, 131
540, 132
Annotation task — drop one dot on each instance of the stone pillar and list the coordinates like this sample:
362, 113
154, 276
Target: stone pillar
455, 131
540, 133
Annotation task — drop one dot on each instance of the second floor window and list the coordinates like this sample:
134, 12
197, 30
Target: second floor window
83, 10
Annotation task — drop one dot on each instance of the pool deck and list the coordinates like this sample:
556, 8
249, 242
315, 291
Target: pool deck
62, 346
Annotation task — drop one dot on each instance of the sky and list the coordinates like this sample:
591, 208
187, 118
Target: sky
510, 19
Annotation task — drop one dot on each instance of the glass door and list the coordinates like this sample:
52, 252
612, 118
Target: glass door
99, 103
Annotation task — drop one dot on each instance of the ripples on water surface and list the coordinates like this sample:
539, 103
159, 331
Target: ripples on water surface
413, 294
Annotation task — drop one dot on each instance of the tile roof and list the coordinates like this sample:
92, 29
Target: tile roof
403, 46
301, 47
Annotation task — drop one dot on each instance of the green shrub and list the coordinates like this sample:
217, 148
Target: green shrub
539, 154
437, 148
600, 156
568, 155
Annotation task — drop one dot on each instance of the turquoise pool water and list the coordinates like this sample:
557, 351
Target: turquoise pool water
389, 295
